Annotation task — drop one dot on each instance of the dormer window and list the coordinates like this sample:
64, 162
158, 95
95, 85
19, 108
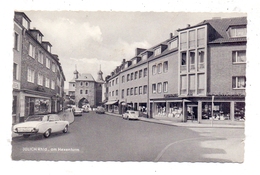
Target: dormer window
157, 51
237, 31
39, 38
49, 48
144, 56
134, 61
25, 24
173, 44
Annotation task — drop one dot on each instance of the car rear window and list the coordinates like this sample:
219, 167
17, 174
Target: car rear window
132, 112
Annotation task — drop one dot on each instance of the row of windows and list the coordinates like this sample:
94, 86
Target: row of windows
159, 68
135, 91
32, 53
160, 87
40, 79
135, 75
81, 91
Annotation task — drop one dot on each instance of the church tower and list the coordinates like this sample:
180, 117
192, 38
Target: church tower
100, 76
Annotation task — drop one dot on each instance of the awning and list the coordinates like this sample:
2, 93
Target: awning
111, 102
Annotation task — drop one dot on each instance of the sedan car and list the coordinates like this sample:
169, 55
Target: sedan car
130, 114
41, 124
100, 110
77, 111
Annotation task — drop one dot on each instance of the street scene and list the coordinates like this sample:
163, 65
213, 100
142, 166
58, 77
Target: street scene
169, 90
102, 137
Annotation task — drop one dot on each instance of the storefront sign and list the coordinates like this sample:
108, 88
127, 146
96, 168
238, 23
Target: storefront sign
228, 95
170, 95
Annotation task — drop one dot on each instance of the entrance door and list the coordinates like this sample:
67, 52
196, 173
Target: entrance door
192, 111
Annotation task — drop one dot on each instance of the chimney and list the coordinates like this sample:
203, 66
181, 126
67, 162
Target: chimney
188, 25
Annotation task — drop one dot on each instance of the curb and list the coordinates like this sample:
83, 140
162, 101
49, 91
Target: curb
170, 123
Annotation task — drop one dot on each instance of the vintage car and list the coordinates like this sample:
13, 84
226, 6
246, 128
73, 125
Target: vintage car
100, 110
41, 124
130, 114
77, 111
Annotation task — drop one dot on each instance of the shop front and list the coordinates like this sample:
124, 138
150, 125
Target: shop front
112, 106
37, 105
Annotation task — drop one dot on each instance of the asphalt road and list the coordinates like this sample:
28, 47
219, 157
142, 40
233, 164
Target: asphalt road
100, 137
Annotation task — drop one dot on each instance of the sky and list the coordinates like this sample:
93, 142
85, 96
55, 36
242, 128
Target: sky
90, 40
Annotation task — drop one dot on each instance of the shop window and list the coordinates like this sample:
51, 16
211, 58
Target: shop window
239, 111
221, 111
239, 56
239, 82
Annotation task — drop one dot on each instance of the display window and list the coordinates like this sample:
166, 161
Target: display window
221, 111
239, 113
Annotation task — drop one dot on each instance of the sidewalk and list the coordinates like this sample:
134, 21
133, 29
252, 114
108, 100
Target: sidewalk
194, 124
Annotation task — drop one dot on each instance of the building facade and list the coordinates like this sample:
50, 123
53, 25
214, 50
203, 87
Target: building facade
38, 79
198, 74
85, 90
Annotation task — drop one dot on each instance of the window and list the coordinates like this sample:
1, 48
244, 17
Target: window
159, 68
40, 57
144, 56
183, 84
31, 50
192, 39
109, 94
73, 85
113, 93
201, 83
53, 85
238, 31
201, 59
136, 75
80, 91
86, 83
116, 80
123, 79
136, 90
239, 56
40, 79
132, 76
128, 77
153, 88
140, 89
239, 82
47, 82
191, 84
25, 23
145, 89
30, 75
192, 60
113, 82
154, 69
16, 41
173, 44
157, 51
145, 72
183, 40
201, 37
49, 48
15, 71
128, 92
53, 67
116, 92
48, 63
132, 91
81, 83
140, 73
86, 91
183, 58
159, 87
165, 86
165, 66
123, 93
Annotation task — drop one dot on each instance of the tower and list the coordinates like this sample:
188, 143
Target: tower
100, 76
76, 73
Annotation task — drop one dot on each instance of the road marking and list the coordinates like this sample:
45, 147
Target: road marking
169, 145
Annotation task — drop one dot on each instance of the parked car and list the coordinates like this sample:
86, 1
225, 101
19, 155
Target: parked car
131, 114
100, 110
77, 111
41, 124
85, 108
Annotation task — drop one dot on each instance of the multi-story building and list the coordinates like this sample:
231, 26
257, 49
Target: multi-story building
84, 89
197, 74
38, 85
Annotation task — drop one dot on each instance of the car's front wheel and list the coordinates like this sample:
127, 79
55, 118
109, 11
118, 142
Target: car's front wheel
47, 133
65, 130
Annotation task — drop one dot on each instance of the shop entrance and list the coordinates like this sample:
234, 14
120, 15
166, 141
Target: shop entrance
192, 112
